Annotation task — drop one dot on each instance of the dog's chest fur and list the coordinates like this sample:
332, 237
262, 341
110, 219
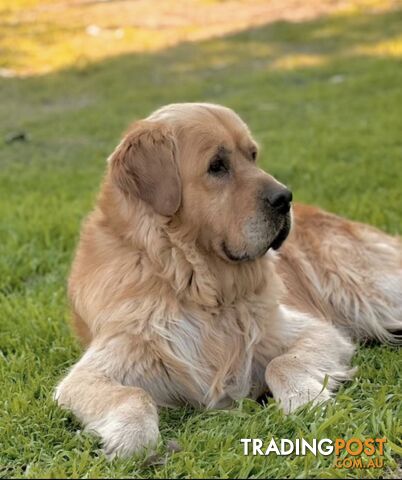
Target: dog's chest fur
188, 330
204, 358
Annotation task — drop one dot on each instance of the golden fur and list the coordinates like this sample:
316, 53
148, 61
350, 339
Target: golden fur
178, 301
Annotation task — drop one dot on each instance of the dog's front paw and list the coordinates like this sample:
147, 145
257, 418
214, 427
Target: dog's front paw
127, 430
293, 387
314, 393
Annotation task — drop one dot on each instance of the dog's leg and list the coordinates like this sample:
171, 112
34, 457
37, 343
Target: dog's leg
315, 358
124, 417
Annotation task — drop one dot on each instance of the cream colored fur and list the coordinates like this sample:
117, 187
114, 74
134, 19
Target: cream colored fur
168, 319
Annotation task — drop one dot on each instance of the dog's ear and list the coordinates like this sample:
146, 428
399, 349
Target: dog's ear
145, 165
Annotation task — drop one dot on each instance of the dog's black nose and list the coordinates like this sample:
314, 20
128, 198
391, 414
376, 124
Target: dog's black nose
279, 198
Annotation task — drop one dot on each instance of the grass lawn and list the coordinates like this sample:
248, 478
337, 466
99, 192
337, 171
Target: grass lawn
323, 98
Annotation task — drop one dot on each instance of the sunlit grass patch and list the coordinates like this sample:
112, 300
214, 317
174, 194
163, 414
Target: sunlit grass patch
386, 48
43, 36
291, 62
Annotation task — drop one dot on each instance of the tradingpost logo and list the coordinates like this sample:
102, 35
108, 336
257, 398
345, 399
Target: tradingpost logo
348, 452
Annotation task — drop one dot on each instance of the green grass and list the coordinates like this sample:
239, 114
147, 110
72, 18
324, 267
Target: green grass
324, 100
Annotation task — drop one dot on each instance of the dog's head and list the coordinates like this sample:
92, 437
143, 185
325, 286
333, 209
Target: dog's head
196, 163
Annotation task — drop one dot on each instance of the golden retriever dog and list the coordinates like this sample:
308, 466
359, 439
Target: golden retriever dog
183, 291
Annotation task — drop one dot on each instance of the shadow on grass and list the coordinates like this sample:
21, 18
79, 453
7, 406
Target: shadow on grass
205, 70
140, 82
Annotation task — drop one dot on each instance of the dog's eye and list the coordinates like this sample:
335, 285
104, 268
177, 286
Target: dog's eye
218, 167
254, 154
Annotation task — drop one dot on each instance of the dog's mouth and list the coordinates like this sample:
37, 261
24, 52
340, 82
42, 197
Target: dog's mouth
275, 244
280, 237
